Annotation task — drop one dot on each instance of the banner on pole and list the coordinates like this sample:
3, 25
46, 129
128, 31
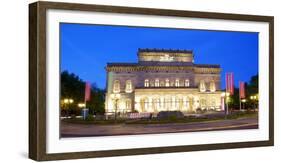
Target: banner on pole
87, 91
229, 81
242, 89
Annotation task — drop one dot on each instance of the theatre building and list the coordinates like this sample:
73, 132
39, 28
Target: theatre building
162, 80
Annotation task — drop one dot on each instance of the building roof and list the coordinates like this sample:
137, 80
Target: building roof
162, 64
164, 50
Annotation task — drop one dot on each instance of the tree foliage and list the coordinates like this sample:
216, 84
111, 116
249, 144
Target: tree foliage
253, 85
73, 87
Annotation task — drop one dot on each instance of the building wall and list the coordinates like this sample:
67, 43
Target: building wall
180, 94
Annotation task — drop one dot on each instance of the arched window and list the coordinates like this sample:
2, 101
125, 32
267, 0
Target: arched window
167, 83
177, 83
116, 86
212, 86
157, 83
146, 83
186, 83
156, 104
202, 86
129, 88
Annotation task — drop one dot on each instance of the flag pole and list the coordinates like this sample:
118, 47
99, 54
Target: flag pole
225, 98
240, 95
240, 103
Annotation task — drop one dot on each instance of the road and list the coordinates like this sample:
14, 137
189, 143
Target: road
84, 130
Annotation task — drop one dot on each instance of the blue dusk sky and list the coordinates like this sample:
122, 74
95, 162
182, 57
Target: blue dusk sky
85, 49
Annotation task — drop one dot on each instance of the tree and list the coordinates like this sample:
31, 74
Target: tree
96, 103
73, 87
234, 99
253, 85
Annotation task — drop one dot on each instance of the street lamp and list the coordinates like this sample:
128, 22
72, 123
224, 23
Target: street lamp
81, 105
243, 101
115, 97
67, 102
226, 95
254, 98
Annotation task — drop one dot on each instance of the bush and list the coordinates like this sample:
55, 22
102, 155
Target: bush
72, 116
199, 110
89, 117
171, 115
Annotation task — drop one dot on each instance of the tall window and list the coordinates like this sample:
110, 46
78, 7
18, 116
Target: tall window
146, 104
128, 104
177, 84
167, 83
156, 104
202, 86
212, 86
185, 102
146, 83
157, 84
173, 100
129, 88
116, 86
186, 83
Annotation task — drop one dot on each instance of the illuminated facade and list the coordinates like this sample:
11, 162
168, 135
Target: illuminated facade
162, 80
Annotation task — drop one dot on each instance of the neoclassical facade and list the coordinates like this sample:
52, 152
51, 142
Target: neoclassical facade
162, 80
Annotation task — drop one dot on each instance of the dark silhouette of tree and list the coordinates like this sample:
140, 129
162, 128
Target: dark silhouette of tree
253, 85
73, 87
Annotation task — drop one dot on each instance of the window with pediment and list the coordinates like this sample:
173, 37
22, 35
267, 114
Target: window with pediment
129, 87
202, 86
212, 86
186, 83
116, 86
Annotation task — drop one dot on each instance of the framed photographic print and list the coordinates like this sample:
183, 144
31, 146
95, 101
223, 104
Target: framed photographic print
112, 81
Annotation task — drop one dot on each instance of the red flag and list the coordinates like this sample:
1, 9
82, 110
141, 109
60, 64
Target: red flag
242, 89
229, 81
87, 91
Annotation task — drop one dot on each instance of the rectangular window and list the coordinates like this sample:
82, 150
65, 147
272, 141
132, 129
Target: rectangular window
146, 83
157, 84
177, 84
186, 83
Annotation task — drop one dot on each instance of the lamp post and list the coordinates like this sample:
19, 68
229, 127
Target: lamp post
67, 102
243, 102
254, 98
115, 97
225, 95
84, 112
